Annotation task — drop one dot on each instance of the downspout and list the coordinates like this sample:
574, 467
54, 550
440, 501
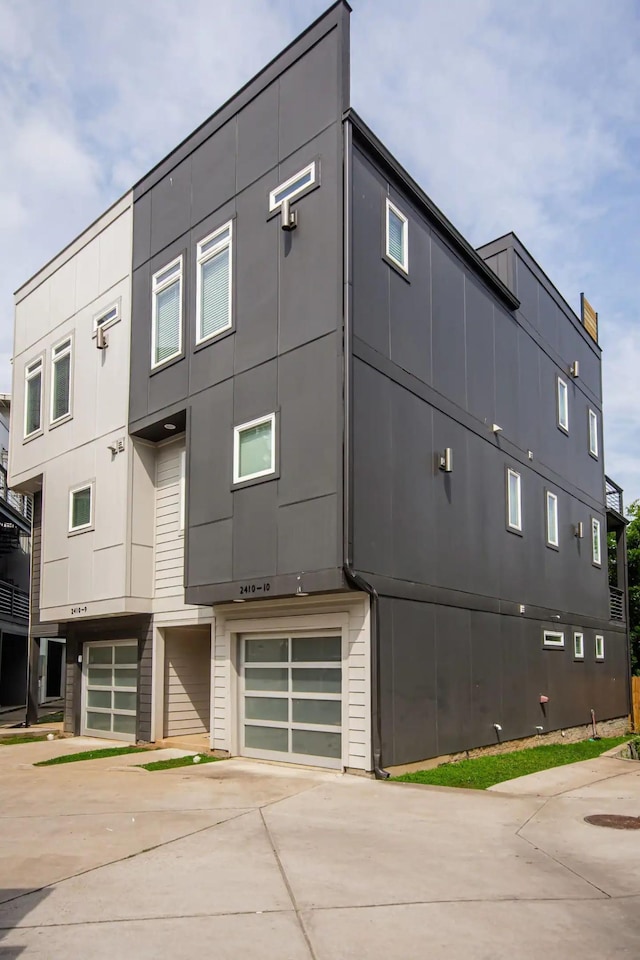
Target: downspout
354, 579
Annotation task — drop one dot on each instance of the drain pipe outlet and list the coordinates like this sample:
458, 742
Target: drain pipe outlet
355, 580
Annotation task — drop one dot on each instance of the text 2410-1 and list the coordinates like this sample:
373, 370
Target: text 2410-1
252, 589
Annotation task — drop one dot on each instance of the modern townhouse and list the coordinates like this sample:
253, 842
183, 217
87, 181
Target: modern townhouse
333, 486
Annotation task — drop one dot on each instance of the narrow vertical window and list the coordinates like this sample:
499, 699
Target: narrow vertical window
61, 381
563, 405
166, 330
578, 646
33, 398
514, 501
81, 508
213, 303
593, 433
397, 237
599, 647
596, 547
552, 519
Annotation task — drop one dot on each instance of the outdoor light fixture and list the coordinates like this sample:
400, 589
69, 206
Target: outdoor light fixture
580, 530
446, 460
299, 591
574, 369
288, 216
170, 426
496, 428
102, 341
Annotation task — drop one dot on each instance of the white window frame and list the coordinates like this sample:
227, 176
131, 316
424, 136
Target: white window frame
599, 646
553, 638
551, 498
593, 433
85, 526
270, 418
301, 174
563, 389
183, 492
86, 687
66, 349
578, 646
156, 288
514, 526
596, 541
202, 258
32, 370
106, 318
391, 207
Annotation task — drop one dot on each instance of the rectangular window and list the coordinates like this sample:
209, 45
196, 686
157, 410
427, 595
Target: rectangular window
553, 638
81, 508
107, 318
33, 398
593, 433
578, 646
397, 237
166, 329
563, 405
599, 647
596, 549
61, 381
514, 501
213, 303
254, 451
293, 186
552, 519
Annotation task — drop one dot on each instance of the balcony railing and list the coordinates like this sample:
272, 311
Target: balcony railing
14, 603
616, 604
613, 494
20, 502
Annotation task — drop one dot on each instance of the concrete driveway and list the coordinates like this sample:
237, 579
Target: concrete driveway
240, 859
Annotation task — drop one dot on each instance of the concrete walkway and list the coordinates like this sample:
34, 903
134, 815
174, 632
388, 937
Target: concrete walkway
238, 859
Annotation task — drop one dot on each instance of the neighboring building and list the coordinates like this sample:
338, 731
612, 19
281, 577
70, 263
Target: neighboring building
15, 546
356, 516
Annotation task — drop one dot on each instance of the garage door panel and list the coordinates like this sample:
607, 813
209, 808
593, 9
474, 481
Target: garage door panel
110, 683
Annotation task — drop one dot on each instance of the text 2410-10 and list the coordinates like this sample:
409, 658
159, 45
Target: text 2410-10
251, 589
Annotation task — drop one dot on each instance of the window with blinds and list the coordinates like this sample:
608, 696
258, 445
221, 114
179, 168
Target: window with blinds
33, 398
213, 303
81, 508
254, 449
397, 237
61, 381
166, 338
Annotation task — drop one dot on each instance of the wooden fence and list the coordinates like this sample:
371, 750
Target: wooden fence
635, 703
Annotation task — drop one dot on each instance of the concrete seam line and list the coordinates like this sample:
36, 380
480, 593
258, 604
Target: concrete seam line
122, 813
563, 865
532, 815
149, 919
128, 856
289, 889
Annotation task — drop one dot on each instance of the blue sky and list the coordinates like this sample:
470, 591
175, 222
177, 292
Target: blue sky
512, 116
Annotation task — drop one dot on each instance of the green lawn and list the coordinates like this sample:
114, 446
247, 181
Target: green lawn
10, 741
56, 717
91, 755
483, 772
177, 762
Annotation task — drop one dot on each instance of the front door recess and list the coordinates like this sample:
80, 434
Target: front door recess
291, 699
109, 689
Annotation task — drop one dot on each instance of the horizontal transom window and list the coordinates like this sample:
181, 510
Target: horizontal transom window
293, 186
107, 318
553, 638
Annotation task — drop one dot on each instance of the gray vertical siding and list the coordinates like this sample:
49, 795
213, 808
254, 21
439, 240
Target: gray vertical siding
145, 681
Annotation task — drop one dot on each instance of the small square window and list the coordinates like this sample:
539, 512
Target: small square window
292, 187
599, 647
593, 434
514, 501
33, 398
596, 546
563, 405
552, 519
61, 381
81, 508
213, 295
254, 453
166, 321
578, 646
397, 237
553, 638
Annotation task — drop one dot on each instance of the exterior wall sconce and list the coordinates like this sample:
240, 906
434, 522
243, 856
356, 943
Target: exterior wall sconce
574, 369
446, 460
299, 591
102, 341
288, 216
579, 531
496, 428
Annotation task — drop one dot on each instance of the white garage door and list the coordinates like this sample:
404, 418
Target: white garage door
291, 699
109, 689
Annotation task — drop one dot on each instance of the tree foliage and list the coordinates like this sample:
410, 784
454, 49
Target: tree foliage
633, 561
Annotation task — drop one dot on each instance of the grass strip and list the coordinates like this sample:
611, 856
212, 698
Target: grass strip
11, 741
483, 772
178, 762
56, 717
91, 755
